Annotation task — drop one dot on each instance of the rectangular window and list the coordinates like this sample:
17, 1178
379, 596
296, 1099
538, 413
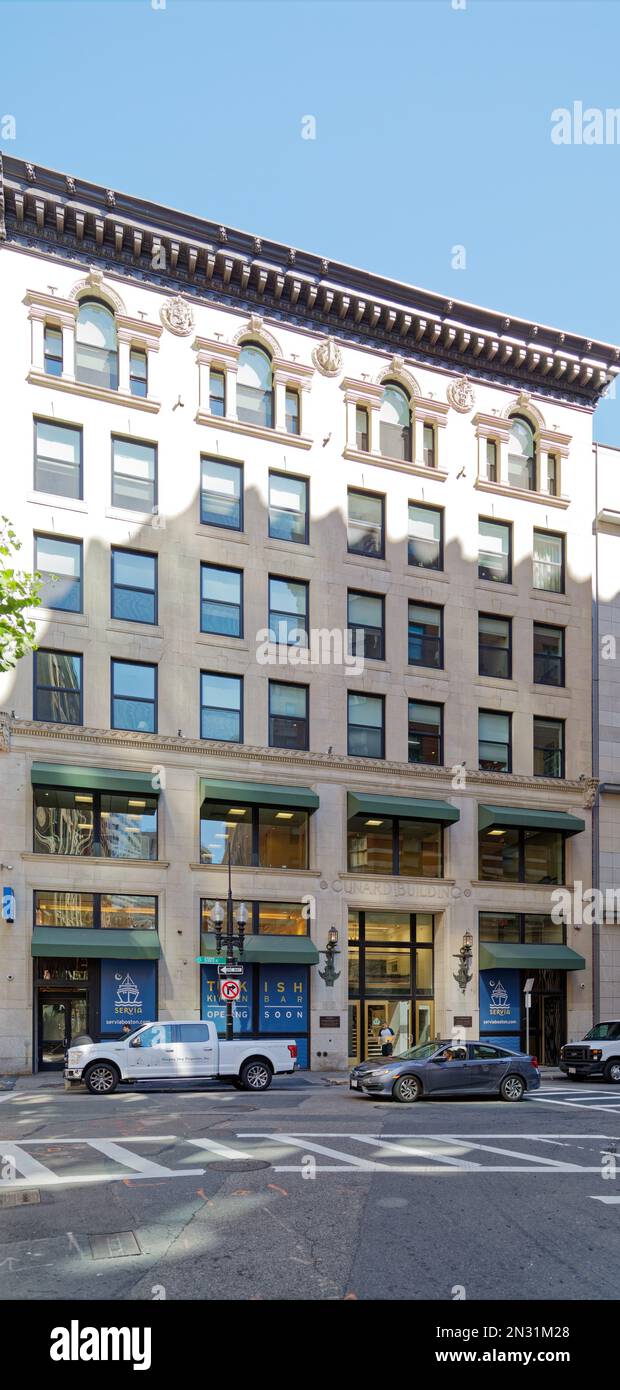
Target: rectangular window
365, 524
217, 393
291, 411
134, 696
428, 444
127, 911
361, 429
281, 919
366, 726
53, 351
395, 846
58, 459
288, 715
494, 741
494, 647
548, 655
494, 551
221, 597
366, 625
288, 612
134, 586
548, 562
60, 564
288, 508
110, 825
548, 747
259, 836
425, 733
57, 687
425, 635
529, 928
221, 494
134, 475
122, 911
138, 372
221, 707
552, 475
425, 544
519, 855
491, 460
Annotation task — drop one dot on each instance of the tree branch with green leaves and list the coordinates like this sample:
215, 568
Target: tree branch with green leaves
19, 592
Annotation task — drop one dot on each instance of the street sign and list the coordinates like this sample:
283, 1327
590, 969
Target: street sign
210, 960
233, 969
230, 990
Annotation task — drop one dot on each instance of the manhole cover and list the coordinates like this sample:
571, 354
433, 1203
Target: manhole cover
238, 1165
19, 1198
114, 1245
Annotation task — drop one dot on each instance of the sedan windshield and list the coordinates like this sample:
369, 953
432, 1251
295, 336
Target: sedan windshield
419, 1053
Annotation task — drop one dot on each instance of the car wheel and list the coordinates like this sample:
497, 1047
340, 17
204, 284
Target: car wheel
612, 1070
101, 1078
255, 1076
512, 1088
407, 1089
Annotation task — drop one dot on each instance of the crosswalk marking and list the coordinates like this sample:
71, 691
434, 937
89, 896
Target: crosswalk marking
144, 1166
217, 1148
553, 1163
350, 1160
575, 1104
416, 1152
609, 1201
28, 1166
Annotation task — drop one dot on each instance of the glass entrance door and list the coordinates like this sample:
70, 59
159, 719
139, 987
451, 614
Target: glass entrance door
396, 1013
61, 1018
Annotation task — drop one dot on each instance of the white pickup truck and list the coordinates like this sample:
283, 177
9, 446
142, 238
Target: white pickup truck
598, 1053
178, 1051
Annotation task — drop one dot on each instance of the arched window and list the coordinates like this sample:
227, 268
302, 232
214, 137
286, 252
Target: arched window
522, 454
395, 423
254, 386
96, 350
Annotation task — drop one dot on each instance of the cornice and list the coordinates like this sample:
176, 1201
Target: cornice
366, 769
46, 213
96, 393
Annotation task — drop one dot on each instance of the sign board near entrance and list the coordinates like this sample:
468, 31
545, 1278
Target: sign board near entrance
128, 993
500, 1001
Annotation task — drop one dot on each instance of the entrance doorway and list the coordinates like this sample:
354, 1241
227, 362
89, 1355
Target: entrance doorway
547, 1015
61, 1018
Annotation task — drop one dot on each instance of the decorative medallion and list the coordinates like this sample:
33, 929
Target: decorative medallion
177, 315
327, 357
461, 395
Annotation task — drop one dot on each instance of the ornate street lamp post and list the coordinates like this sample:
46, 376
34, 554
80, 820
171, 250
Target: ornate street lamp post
231, 939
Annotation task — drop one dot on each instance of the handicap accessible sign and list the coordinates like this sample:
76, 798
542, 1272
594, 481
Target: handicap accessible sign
500, 1001
128, 994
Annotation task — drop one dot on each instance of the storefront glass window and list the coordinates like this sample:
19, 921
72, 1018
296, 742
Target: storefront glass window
543, 856
388, 970
388, 926
89, 823
282, 839
419, 845
61, 971
539, 929
128, 911
424, 969
260, 835
60, 909
495, 926
282, 919
390, 980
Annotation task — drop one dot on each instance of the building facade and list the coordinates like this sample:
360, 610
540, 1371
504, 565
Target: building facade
317, 571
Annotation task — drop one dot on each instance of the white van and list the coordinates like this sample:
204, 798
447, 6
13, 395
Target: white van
178, 1051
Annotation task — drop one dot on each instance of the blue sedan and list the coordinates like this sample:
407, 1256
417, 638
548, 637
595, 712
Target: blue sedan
442, 1069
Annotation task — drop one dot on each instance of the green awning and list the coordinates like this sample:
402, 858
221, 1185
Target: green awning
258, 794
106, 943
532, 819
92, 779
509, 956
412, 807
269, 950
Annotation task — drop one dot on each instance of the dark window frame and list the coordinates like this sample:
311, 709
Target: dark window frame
145, 443
288, 579
153, 666
114, 367
361, 945
296, 393
227, 675
397, 821
96, 796
521, 916
293, 685
138, 589
227, 569
362, 435
219, 375
538, 719
69, 540
255, 809
535, 464
367, 593
271, 395
484, 646
63, 425
134, 377
297, 478
558, 536
506, 714
497, 521
439, 608
97, 896
229, 463
55, 651
427, 507
522, 830
52, 356
377, 497
370, 695
540, 656
436, 704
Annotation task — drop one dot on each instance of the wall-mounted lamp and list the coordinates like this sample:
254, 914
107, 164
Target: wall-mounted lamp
329, 975
463, 974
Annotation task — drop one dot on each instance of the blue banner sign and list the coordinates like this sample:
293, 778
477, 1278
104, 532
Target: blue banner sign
128, 994
283, 999
213, 1008
500, 1001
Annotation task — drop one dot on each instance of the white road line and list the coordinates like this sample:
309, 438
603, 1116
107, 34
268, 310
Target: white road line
576, 1105
127, 1139
28, 1166
381, 1143
302, 1142
145, 1166
609, 1201
553, 1163
12, 1095
220, 1149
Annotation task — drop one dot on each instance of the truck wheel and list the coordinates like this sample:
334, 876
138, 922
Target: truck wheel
512, 1088
407, 1089
101, 1078
612, 1070
255, 1075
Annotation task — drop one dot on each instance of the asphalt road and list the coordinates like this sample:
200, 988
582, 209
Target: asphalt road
308, 1192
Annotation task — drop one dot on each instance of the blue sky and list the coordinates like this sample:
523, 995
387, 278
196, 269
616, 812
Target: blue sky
433, 130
